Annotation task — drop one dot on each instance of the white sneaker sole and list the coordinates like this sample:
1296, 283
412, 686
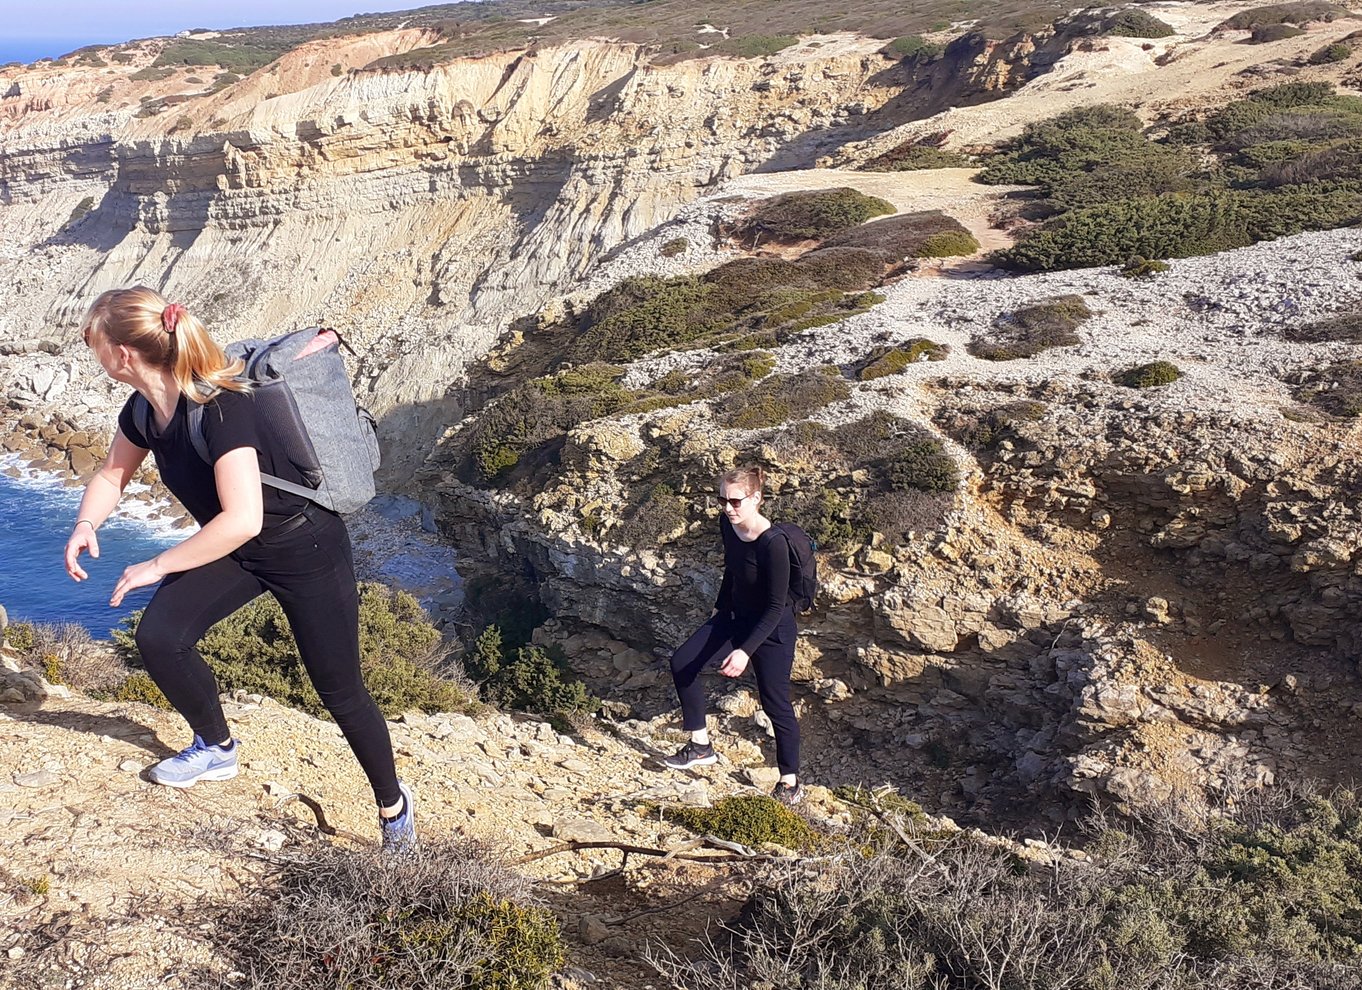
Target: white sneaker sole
222, 773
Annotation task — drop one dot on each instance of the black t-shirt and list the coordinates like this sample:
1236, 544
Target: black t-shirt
229, 422
756, 585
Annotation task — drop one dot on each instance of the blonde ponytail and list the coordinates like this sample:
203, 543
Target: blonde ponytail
167, 336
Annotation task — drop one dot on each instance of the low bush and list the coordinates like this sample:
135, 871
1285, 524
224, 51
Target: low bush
911, 157
750, 819
1138, 267
1336, 389
526, 678
922, 465
907, 236
1265, 894
254, 650
447, 914
781, 398
1031, 329
138, 687
948, 245
1265, 34
542, 410
1337, 52
812, 215
1150, 375
755, 45
659, 517
1299, 12
674, 247
20, 636
238, 52
645, 313
891, 360
829, 518
1343, 328
842, 269
984, 429
152, 73
1135, 23
1178, 226
914, 47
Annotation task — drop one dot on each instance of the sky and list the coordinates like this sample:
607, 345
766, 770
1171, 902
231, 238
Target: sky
54, 27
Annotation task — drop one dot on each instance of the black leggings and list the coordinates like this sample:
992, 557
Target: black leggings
310, 570
771, 662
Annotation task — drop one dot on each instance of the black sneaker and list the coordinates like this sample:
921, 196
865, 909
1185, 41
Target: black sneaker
691, 755
788, 794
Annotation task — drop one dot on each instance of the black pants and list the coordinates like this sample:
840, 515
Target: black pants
310, 570
771, 663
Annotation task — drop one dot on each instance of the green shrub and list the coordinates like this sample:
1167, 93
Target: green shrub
815, 214
140, 688
985, 429
911, 157
104, 95
1032, 329
240, 52
1265, 34
1337, 52
827, 516
542, 410
842, 268
1345, 328
1301, 12
445, 915
675, 246
923, 465
337, 69
756, 45
909, 235
1337, 389
526, 678
892, 360
660, 516
914, 47
152, 73
19, 635
750, 819
1150, 375
254, 650
1138, 267
948, 245
1136, 23
781, 398
643, 314
1178, 226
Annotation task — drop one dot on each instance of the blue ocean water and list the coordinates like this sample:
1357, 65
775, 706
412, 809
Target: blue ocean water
35, 519
28, 50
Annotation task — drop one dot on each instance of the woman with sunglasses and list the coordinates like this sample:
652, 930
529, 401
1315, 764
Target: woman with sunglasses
251, 539
753, 624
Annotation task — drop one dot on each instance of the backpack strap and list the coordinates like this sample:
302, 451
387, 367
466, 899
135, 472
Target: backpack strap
141, 416
200, 442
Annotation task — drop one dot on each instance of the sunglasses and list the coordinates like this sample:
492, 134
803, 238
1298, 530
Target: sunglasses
733, 502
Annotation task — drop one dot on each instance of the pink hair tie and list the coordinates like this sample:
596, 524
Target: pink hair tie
170, 317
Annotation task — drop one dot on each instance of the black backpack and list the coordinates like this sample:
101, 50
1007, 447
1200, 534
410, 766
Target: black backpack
803, 565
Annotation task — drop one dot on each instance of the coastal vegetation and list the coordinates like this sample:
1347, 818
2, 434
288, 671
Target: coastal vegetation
1285, 159
1033, 328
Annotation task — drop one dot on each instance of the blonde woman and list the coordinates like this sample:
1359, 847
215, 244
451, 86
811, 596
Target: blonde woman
251, 539
753, 625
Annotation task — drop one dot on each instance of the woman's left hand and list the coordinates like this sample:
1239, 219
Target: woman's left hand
136, 576
735, 663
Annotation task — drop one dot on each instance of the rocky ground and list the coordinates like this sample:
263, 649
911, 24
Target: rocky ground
108, 881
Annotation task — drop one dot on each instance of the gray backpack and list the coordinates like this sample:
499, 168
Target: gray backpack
307, 412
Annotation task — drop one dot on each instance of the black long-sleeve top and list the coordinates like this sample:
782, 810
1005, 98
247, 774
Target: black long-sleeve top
756, 584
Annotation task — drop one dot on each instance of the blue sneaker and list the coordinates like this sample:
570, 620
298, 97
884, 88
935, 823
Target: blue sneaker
399, 834
199, 762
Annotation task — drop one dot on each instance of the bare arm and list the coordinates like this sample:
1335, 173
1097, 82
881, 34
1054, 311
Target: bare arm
237, 474
101, 497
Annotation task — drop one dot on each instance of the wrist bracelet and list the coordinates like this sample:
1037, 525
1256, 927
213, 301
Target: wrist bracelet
87, 522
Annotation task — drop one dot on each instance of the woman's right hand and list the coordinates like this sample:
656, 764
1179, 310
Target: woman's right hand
82, 538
